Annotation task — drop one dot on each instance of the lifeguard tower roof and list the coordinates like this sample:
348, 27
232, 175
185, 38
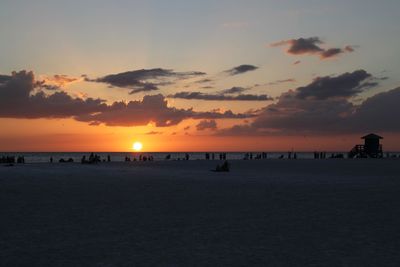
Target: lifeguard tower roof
372, 136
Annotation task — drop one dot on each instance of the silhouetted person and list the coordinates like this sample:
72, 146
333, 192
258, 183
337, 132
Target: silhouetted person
223, 168
51, 159
20, 159
108, 158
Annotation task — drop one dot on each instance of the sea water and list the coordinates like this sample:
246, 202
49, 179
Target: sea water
41, 157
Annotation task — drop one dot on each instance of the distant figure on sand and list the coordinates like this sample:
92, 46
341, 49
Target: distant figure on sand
92, 159
21, 159
223, 168
70, 160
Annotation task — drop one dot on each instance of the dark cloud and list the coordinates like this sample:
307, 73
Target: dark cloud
290, 80
241, 69
329, 111
18, 99
43, 85
292, 114
145, 80
312, 46
152, 109
349, 48
345, 85
301, 46
206, 125
146, 87
219, 97
331, 52
378, 113
234, 90
223, 115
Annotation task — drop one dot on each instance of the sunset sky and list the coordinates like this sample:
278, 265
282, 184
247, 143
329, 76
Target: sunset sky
198, 75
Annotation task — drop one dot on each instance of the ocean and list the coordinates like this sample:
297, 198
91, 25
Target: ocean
42, 157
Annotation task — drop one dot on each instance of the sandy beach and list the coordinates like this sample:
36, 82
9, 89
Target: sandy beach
179, 213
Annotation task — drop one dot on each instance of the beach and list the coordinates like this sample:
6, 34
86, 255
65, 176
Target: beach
333, 212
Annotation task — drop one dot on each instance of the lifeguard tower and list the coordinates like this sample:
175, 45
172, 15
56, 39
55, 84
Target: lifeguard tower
371, 148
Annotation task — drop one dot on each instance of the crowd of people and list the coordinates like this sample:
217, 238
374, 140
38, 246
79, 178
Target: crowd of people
249, 156
140, 158
221, 156
95, 158
12, 159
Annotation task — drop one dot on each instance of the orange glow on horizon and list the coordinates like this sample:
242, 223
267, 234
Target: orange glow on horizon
70, 136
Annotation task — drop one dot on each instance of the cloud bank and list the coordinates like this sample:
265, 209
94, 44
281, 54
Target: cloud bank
206, 125
20, 99
220, 97
325, 107
145, 80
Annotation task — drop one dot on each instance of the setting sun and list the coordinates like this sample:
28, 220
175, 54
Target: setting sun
137, 146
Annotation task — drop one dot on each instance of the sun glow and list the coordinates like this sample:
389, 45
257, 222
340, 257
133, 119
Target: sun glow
137, 146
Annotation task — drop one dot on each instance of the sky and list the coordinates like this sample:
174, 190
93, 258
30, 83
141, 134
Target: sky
198, 75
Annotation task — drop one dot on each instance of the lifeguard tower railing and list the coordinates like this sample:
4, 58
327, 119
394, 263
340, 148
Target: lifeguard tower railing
359, 151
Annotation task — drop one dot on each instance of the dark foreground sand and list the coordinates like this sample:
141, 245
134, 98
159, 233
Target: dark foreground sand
263, 213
